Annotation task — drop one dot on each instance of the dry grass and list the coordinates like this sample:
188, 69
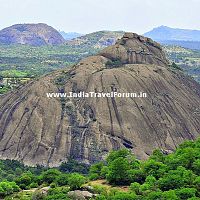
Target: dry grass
104, 183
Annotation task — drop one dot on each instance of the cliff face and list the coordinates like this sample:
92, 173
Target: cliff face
40, 130
31, 34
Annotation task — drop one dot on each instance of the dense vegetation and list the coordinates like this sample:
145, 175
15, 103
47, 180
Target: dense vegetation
162, 177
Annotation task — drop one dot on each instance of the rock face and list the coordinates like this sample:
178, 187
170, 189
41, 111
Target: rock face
31, 34
46, 131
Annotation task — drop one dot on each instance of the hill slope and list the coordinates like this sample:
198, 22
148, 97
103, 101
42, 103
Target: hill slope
31, 34
40, 130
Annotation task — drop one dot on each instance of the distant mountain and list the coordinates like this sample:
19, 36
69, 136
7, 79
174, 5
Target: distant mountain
70, 35
167, 33
31, 34
98, 40
174, 36
194, 45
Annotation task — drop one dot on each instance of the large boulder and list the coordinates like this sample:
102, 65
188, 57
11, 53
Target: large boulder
80, 195
136, 49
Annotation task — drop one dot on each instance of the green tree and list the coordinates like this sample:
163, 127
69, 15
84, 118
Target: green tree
50, 176
175, 179
118, 171
154, 168
157, 155
62, 179
117, 154
136, 175
196, 166
7, 188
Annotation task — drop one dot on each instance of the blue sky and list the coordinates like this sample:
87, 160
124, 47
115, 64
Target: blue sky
92, 15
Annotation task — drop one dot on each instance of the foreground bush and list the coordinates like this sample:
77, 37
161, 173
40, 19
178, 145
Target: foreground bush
7, 188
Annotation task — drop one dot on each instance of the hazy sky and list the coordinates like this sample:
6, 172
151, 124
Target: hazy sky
92, 15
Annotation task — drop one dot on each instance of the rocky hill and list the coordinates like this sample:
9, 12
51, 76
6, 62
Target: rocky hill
36, 129
31, 34
98, 40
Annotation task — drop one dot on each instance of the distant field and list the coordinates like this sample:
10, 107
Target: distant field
187, 59
22, 61
28, 61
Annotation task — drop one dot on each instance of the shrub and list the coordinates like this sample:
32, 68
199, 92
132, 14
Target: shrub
186, 193
33, 185
175, 66
100, 189
114, 63
75, 181
57, 193
73, 166
124, 196
104, 171
135, 187
95, 171
62, 179
94, 176
169, 195
196, 166
38, 195
154, 195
